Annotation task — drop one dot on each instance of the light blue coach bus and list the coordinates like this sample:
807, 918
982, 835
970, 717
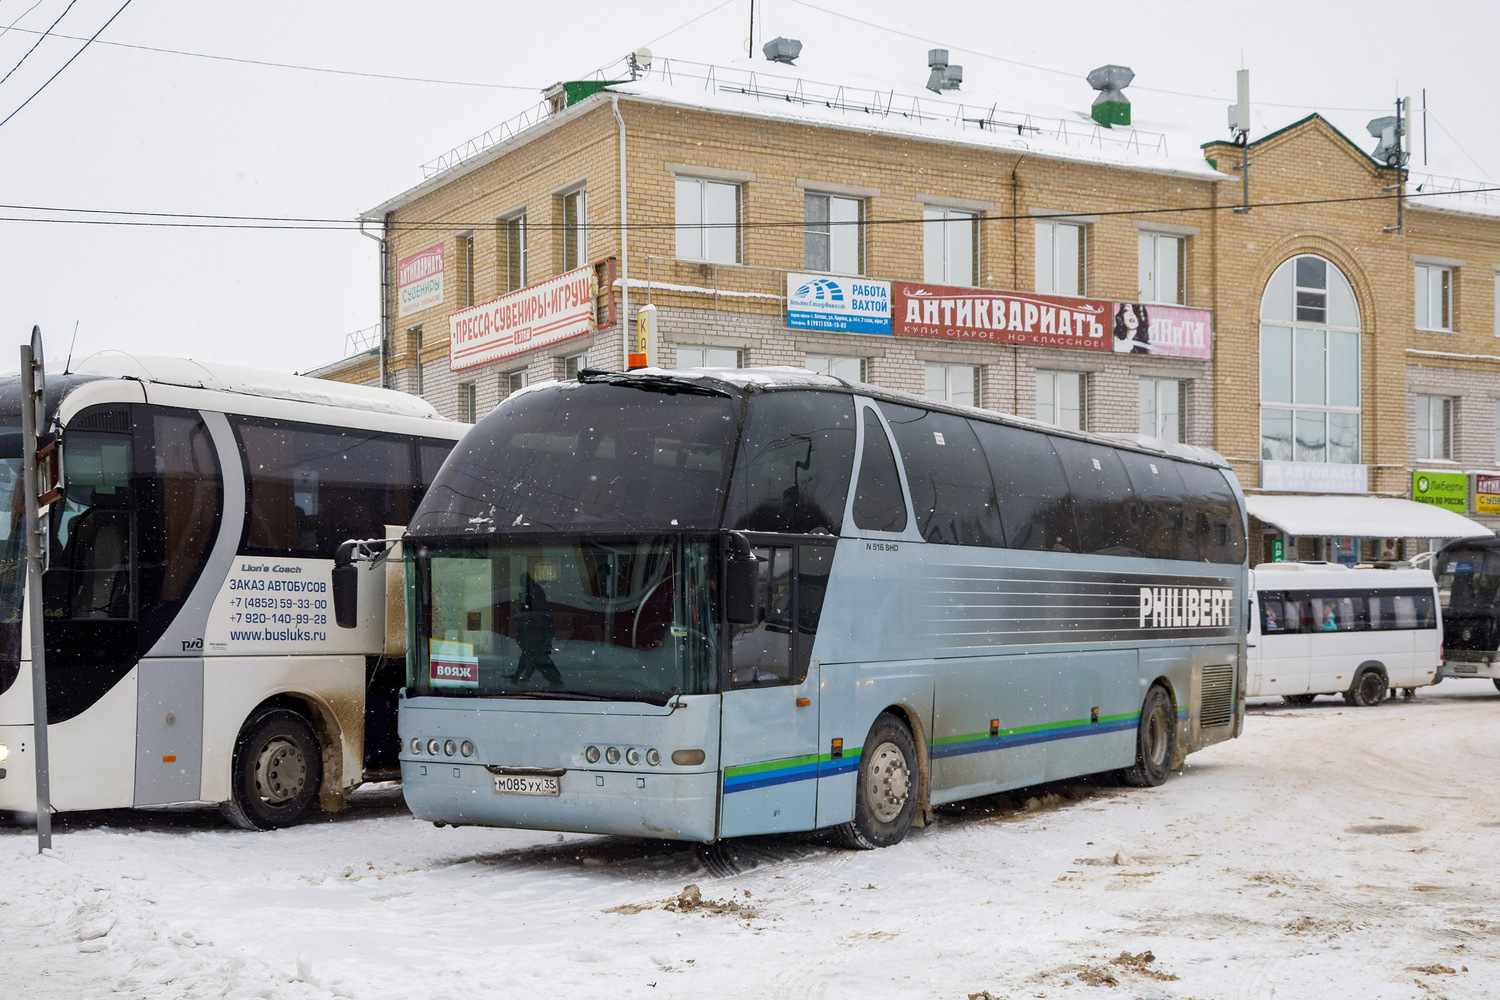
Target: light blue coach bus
706, 604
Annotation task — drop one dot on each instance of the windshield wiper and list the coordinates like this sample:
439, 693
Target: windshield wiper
669, 384
659, 698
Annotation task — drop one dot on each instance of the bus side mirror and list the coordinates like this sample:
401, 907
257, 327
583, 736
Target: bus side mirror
740, 578
345, 587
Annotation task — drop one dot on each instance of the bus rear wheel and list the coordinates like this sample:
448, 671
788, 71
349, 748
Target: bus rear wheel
1369, 688
885, 795
277, 768
1155, 741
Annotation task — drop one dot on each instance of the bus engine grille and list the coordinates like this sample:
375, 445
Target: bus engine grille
1217, 704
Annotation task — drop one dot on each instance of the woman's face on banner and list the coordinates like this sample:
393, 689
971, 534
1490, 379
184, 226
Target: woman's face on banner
1132, 322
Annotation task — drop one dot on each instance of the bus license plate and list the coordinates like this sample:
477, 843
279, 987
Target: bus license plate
515, 784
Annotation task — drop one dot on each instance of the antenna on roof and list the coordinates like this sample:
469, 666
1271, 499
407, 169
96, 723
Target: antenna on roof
71, 345
1239, 124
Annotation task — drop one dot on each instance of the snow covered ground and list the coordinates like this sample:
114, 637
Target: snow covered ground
1330, 852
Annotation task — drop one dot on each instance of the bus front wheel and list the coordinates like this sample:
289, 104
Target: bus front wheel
1155, 741
278, 766
1369, 688
885, 796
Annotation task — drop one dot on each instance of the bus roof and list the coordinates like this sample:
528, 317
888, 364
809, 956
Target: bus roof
770, 378
192, 374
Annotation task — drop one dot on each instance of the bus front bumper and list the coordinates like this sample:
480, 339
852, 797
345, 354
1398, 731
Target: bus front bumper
676, 806
1470, 664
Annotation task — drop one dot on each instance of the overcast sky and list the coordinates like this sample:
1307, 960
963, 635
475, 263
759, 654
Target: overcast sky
147, 131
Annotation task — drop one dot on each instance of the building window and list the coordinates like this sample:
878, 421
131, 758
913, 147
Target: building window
708, 357
1309, 365
708, 220
1434, 297
575, 231
414, 346
1060, 399
834, 237
468, 408
466, 268
573, 364
953, 383
848, 369
1434, 427
513, 382
950, 246
1497, 431
1061, 258
1162, 409
513, 249
1163, 268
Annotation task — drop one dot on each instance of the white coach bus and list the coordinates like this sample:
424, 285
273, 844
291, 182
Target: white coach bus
192, 654
1327, 629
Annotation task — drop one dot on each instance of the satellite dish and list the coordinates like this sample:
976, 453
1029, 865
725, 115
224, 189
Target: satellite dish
643, 57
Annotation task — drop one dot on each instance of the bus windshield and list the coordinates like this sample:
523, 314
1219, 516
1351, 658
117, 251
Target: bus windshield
594, 618
588, 456
12, 555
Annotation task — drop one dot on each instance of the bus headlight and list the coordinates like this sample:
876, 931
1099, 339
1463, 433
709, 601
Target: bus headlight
433, 746
653, 757
612, 755
450, 748
632, 756
591, 755
466, 748
416, 744
4, 752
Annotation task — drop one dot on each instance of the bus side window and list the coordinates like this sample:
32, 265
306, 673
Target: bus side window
1104, 506
761, 653
1273, 614
952, 495
1036, 509
1406, 611
878, 504
96, 527
1160, 493
1216, 532
1424, 611
795, 459
814, 562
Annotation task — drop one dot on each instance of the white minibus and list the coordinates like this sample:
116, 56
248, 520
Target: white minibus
1319, 628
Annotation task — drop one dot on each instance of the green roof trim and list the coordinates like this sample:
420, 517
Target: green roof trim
581, 90
1298, 124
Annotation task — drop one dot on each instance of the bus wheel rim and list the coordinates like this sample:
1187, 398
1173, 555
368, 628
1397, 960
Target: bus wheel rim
1156, 737
889, 784
280, 771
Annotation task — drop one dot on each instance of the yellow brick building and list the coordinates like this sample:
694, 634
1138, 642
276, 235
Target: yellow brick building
700, 194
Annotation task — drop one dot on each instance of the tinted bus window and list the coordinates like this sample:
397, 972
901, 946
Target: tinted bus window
952, 496
313, 488
878, 505
1214, 530
795, 459
1036, 510
1158, 491
1104, 507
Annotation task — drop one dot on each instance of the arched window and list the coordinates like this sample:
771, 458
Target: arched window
1309, 364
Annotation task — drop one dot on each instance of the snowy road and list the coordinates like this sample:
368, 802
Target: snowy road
1330, 852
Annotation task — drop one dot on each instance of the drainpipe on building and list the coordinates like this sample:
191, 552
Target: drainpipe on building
624, 314
385, 298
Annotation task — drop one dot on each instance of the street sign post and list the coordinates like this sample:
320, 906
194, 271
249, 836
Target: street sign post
32, 415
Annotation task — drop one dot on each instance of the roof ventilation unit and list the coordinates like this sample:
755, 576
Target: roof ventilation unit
943, 77
1388, 130
1111, 107
782, 50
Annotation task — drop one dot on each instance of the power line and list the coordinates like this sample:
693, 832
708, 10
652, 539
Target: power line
65, 65
38, 42
18, 20
693, 20
1070, 74
283, 65
267, 222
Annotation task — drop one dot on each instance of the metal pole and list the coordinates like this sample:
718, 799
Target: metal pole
34, 601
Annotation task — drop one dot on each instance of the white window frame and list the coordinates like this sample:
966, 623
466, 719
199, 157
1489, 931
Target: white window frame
579, 230
1430, 279
693, 236
466, 250
513, 382
704, 352
1432, 432
1149, 270
573, 364
1159, 389
468, 406
939, 223
414, 345
515, 255
1055, 378
825, 364
949, 377
1048, 247
830, 230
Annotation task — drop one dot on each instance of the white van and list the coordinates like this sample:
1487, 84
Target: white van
1319, 628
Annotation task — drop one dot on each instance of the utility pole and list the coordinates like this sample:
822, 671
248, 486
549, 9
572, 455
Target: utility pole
32, 414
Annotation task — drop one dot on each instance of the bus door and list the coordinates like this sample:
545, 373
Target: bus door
769, 727
1285, 644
